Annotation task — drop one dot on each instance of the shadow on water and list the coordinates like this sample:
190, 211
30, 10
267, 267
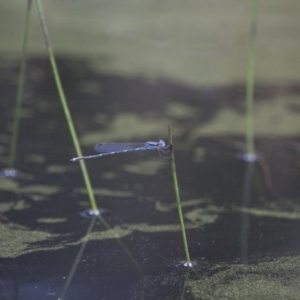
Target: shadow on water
243, 248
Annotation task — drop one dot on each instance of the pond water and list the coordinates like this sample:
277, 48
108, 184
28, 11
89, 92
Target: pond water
126, 77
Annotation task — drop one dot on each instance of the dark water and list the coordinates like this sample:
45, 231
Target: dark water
242, 219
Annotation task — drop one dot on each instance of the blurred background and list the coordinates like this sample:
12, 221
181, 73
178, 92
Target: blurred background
128, 69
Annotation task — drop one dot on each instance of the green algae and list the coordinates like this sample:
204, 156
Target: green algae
148, 167
165, 207
276, 279
16, 240
51, 220
107, 192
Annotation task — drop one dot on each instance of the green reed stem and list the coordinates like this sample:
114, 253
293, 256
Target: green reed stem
174, 174
250, 79
77, 148
65, 107
20, 89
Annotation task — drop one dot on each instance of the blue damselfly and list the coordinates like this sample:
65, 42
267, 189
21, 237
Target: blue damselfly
114, 148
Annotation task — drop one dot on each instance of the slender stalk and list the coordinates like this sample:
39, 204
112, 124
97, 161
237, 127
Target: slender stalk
185, 284
250, 79
65, 107
173, 166
20, 89
77, 260
75, 140
244, 235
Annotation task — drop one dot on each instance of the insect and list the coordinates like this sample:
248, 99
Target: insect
114, 148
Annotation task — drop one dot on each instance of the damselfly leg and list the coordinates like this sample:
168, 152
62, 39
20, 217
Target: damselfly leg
164, 151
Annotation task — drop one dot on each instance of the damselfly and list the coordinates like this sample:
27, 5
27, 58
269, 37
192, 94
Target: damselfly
114, 148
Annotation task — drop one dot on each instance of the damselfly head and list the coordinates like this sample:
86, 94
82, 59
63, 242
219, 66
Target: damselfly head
161, 143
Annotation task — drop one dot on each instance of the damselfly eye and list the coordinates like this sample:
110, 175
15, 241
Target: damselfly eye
161, 143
